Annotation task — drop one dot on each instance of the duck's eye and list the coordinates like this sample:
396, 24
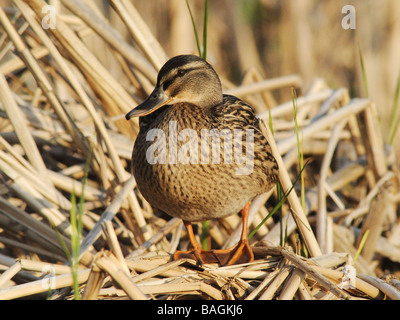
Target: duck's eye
181, 72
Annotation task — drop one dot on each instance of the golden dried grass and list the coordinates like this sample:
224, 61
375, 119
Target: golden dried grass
59, 94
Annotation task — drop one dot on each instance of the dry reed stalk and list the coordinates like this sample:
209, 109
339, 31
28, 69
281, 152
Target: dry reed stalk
71, 185
121, 174
304, 293
336, 181
142, 38
42, 79
17, 119
9, 273
7, 262
243, 274
42, 206
253, 75
360, 284
321, 229
292, 285
140, 266
93, 285
110, 35
40, 229
375, 140
186, 288
386, 288
110, 264
42, 267
331, 260
12, 65
344, 240
321, 273
373, 223
158, 270
113, 244
298, 213
395, 283
31, 179
43, 285
262, 285
310, 271
173, 223
99, 77
273, 287
266, 85
318, 111
107, 215
30, 248
352, 108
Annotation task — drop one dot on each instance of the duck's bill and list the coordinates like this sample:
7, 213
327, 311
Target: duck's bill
156, 100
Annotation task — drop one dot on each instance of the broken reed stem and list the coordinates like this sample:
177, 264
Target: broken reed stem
110, 264
10, 273
324, 282
94, 283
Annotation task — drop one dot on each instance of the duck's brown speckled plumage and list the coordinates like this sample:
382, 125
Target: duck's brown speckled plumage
196, 192
189, 94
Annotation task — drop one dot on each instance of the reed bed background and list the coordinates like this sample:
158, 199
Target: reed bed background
72, 224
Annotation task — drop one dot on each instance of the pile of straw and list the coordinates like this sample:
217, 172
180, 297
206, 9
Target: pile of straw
58, 101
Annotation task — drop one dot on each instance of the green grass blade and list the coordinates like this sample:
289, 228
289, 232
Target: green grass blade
300, 153
361, 246
280, 196
364, 72
271, 127
76, 218
204, 56
194, 28
205, 235
75, 243
395, 112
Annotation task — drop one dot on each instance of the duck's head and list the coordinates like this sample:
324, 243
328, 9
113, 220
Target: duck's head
184, 78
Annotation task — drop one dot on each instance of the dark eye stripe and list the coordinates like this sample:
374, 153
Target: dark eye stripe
168, 82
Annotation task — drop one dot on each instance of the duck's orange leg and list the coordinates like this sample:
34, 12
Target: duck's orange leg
240, 253
198, 254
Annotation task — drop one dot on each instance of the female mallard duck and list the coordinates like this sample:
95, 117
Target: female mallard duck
179, 172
